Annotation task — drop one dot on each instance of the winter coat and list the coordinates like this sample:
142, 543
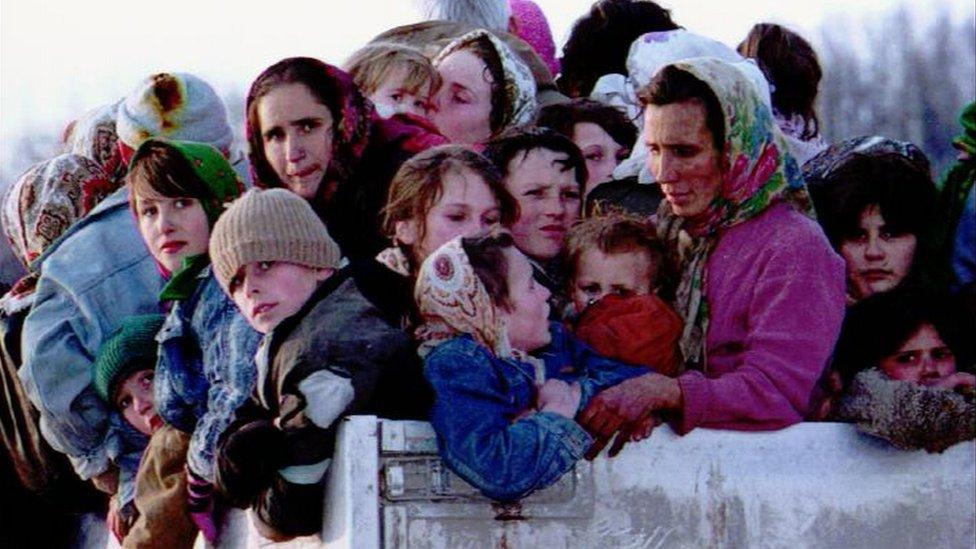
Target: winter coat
205, 369
98, 273
479, 404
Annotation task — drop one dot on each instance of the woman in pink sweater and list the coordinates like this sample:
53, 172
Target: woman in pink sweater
761, 292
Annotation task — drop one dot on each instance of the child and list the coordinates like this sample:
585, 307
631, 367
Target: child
617, 268
897, 356
395, 77
122, 375
504, 418
324, 348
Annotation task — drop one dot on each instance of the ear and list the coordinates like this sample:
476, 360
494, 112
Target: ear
405, 232
513, 26
324, 273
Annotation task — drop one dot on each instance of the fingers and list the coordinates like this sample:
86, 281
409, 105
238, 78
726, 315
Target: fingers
623, 436
598, 445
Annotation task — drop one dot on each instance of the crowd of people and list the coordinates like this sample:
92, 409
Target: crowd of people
541, 256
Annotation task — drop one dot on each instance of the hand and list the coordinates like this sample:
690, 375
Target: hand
633, 432
959, 381
200, 502
114, 520
559, 397
107, 481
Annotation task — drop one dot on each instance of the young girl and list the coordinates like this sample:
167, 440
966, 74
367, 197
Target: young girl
504, 418
395, 77
900, 356
205, 368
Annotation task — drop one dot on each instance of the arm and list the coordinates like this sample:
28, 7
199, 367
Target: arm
471, 415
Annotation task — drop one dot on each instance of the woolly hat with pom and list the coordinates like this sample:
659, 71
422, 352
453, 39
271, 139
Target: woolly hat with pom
269, 225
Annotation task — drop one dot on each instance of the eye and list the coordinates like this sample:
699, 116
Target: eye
910, 357
594, 156
124, 402
623, 292
460, 98
685, 152
307, 126
273, 135
942, 353
536, 192
181, 203
265, 265
396, 96
491, 219
859, 236
148, 211
622, 155
457, 217
421, 104
590, 289
235, 282
570, 194
147, 380
654, 149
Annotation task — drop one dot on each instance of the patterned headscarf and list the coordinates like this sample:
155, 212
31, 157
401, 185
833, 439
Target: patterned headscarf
519, 84
94, 136
817, 170
761, 173
452, 300
50, 197
353, 116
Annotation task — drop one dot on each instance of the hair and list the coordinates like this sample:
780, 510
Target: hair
373, 64
563, 118
419, 184
617, 232
502, 150
488, 259
483, 48
673, 85
877, 326
599, 41
901, 188
792, 69
158, 170
485, 14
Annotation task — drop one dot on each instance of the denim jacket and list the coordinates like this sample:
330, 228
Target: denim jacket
479, 404
125, 446
96, 274
205, 369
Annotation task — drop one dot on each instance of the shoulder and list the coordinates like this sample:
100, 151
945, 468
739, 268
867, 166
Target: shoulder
456, 353
781, 231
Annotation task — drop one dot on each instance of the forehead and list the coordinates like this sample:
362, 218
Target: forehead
464, 68
288, 102
590, 132
539, 167
924, 337
463, 185
676, 123
635, 264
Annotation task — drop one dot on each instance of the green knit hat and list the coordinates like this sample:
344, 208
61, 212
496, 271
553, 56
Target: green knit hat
269, 225
130, 348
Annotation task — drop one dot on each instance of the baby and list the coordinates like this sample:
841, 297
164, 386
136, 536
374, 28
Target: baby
395, 77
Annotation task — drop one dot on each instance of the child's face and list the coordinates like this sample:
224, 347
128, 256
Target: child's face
598, 274
173, 228
134, 399
877, 258
267, 292
398, 99
527, 323
922, 359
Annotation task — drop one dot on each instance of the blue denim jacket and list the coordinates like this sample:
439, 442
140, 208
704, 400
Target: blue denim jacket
205, 370
125, 446
478, 397
96, 274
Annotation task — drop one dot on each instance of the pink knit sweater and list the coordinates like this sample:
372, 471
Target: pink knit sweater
775, 290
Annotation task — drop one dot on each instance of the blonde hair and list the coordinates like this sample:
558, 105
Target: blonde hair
370, 66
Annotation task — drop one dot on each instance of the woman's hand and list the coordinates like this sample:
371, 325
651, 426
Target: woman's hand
959, 382
559, 397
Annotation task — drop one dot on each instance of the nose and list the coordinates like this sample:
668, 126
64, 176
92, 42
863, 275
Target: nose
929, 368
164, 221
663, 167
143, 404
251, 285
875, 249
295, 148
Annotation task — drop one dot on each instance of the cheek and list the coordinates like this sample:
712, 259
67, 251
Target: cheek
902, 250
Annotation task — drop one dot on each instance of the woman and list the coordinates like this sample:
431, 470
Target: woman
310, 130
876, 202
485, 89
761, 291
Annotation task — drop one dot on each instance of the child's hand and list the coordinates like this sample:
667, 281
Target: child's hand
114, 520
559, 397
959, 381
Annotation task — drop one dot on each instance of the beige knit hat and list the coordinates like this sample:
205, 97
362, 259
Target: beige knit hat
269, 225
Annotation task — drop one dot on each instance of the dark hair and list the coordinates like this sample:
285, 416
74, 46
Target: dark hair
673, 85
901, 188
504, 148
483, 48
159, 170
790, 65
877, 326
487, 257
563, 118
599, 41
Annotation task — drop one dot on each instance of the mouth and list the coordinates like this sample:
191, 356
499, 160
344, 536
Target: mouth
304, 172
155, 422
554, 232
875, 275
262, 309
172, 246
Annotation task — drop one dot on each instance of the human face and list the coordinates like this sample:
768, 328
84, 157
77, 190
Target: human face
527, 323
267, 292
599, 274
923, 358
134, 399
173, 228
682, 157
463, 105
296, 129
877, 258
601, 152
466, 206
549, 201
393, 95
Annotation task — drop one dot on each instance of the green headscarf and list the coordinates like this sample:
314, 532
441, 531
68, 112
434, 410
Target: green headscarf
959, 180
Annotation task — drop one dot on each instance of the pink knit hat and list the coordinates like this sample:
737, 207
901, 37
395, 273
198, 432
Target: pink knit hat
534, 29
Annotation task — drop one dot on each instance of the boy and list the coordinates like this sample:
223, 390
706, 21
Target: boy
617, 267
323, 349
122, 375
395, 77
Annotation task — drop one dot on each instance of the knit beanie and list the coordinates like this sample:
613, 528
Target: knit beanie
177, 106
131, 348
269, 225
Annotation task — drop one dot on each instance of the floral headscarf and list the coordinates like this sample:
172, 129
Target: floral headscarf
41, 205
519, 85
94, 136
761, 173
353, 116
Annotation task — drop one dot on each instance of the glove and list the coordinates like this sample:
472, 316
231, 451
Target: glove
201, 504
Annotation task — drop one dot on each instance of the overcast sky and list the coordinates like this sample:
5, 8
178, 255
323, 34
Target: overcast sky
59, 58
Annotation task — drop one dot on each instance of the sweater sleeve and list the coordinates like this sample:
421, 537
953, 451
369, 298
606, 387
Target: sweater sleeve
472, 414
792, 322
